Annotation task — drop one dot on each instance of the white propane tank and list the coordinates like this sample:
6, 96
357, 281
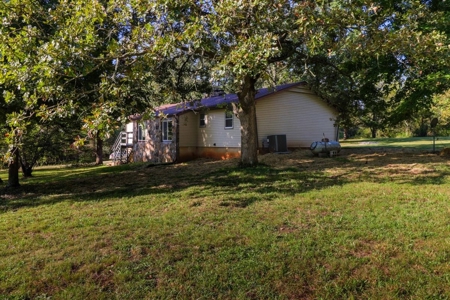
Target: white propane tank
331, 148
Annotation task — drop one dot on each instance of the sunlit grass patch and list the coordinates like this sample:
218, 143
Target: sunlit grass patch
421, 143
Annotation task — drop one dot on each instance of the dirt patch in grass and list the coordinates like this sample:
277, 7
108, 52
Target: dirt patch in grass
376, 156
415, 161
376, 162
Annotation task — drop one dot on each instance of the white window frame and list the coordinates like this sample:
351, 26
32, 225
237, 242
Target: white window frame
141, 132
229, 116
166, 130
202, 120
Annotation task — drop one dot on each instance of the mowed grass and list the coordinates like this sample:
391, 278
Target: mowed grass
365, 224
422, 143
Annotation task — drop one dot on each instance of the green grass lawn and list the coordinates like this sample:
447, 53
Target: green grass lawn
363, 225
423, 143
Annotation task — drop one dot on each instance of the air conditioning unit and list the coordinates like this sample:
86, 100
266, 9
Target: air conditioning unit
277, 143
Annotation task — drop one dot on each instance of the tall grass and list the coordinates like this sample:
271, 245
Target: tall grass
368, 225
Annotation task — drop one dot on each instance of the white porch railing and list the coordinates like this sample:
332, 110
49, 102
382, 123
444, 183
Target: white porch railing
122, 147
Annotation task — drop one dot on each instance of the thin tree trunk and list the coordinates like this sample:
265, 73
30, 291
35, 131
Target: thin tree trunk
247, 117
345, 133
13, 170
27, 169
99, 151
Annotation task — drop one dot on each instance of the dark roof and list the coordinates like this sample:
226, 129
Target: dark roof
222, 100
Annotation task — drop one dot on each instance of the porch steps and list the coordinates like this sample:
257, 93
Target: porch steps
122, 149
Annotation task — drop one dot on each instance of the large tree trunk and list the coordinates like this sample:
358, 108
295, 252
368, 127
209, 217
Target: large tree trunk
13, 170
247, 115
99, 150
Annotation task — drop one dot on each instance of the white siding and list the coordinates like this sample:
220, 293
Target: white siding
214, 134
189, 125
299, 114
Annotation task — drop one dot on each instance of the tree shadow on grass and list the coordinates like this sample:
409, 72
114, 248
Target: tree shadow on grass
238, 187
230, 182
242, 187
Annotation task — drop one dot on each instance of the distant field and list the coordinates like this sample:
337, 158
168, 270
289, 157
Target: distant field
370, 223
423, 143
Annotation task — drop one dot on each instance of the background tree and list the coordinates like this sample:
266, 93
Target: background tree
378, 64
441, 110
48, 142
64, 58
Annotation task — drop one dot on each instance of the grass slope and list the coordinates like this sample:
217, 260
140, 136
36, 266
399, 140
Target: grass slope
365, 224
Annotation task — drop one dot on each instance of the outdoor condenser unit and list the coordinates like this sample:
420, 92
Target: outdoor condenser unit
277, 143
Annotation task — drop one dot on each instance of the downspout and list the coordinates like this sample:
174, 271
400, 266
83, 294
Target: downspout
177, 139
135, 137
256, 126
337, 133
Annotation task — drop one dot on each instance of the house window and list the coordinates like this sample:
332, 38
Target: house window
166, 127
228, 119
141, 133
202, 120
